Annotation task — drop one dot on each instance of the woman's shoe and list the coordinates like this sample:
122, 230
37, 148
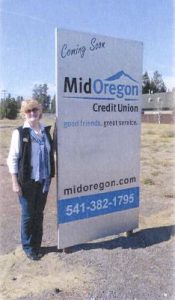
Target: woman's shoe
33, 256
67, 250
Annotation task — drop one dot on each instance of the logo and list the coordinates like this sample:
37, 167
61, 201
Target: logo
110, 88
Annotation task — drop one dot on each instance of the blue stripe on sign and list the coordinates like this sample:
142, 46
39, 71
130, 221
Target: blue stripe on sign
84, 207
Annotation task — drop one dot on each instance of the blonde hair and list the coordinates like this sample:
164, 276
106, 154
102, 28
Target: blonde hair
29, 104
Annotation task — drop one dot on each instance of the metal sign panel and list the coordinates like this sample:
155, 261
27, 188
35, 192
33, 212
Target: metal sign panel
98, 82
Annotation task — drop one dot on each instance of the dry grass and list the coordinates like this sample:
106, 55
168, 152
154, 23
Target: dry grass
157, 170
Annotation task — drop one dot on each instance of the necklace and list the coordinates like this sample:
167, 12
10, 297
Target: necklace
38, 131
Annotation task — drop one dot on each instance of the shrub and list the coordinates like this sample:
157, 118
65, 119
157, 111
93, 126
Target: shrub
148, 181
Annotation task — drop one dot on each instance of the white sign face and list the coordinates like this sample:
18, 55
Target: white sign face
98, 120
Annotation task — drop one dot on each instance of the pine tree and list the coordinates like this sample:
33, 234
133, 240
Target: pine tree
146, 83
40, 94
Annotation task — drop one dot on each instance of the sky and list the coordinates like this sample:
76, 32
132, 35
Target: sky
27, 46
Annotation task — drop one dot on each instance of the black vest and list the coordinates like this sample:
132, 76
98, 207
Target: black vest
24, 163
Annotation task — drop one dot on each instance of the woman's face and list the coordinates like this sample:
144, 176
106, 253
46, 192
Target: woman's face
32, 115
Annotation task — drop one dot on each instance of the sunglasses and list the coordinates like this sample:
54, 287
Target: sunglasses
34, 110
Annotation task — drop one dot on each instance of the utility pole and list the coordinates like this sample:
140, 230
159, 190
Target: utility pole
4, 93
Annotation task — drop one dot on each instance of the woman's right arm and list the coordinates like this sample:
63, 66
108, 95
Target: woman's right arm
12, 161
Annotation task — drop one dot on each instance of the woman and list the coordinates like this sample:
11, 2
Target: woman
31, 164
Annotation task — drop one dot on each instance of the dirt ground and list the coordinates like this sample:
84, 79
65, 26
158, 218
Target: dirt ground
117, 267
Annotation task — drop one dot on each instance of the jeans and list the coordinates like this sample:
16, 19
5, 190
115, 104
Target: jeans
32, 202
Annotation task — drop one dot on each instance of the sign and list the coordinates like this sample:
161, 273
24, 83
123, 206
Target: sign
98, 81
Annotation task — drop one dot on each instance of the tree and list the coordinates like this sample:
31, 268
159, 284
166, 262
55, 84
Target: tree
19, 99
153, 85
9, 108
146, 84
40, 94
157, 83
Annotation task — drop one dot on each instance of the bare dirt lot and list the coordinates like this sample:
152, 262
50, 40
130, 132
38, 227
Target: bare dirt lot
117, 267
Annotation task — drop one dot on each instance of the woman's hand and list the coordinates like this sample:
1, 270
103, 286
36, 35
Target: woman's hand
15, 185
17, 189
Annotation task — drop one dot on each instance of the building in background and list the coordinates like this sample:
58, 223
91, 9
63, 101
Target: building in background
158, 107
158, 101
